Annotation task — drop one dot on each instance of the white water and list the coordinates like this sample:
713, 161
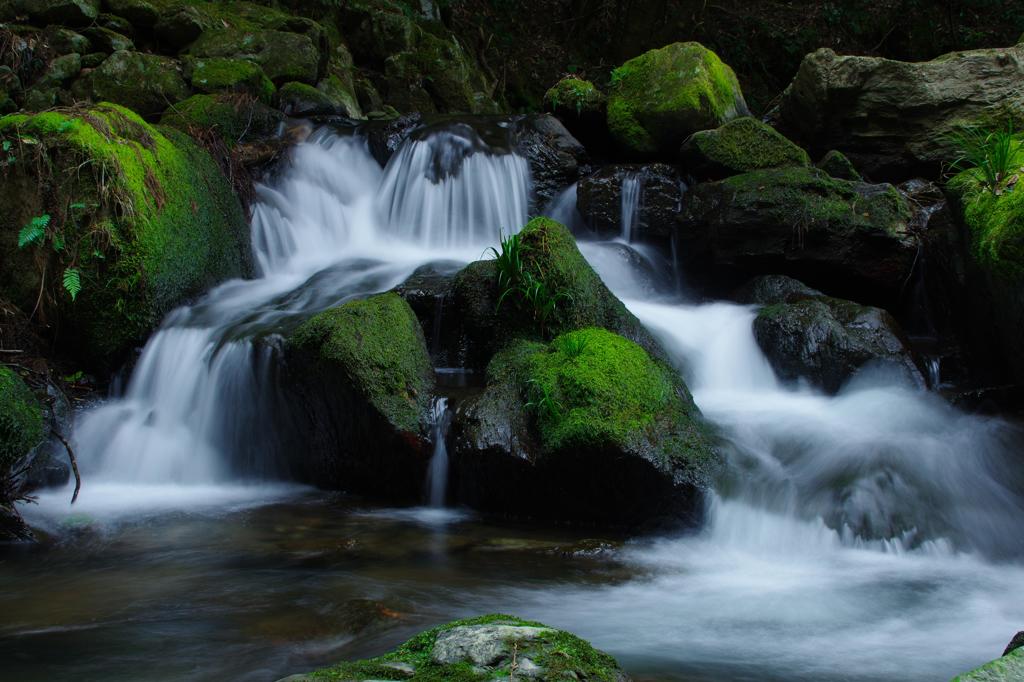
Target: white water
869, 535
437, 474
632, 193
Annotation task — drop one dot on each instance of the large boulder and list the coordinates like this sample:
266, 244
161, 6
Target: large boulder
220, 74
659, 98
481, 649
123, 223
849, 238
654, 197
138, 12
893, 118
65, 12
994, 222
360, 382
587, 428
284, 56
741, 145
556, 158
583, 108
824, 341
549, 253
144, 83
1008, 668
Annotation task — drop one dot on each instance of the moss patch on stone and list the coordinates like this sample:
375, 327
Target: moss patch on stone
144, 83
561, 654
995, 223
659, 98
378, 344
1005, 669
837, 165
148, 219
21, 420
217, 74
235, 118
741, 145
574, 95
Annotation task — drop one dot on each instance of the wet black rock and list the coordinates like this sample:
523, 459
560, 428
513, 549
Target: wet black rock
556, 158
385, 137
658, 189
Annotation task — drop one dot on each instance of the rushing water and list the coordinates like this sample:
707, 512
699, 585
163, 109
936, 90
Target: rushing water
864, 536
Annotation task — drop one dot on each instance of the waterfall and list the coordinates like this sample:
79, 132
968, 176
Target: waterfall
332, 226
437, 474
632, 193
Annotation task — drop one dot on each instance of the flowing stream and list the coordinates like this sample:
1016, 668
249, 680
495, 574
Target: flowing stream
869, 535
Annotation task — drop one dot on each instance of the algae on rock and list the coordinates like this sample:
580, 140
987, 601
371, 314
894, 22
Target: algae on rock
741, 145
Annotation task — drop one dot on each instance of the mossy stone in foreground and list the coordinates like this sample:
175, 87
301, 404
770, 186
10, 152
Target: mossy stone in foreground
741, 145
659, 98
21, 420
378, 345
1009, 668
147, 215
493, 647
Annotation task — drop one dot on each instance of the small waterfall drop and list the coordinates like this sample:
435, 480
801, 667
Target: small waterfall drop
437, 474
632, 194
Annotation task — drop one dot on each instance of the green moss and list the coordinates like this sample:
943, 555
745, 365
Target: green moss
574, 94
562, 654
234, 118
808, 198
1006, 669
158, 221
218, 74
742, 145
995, 223
837, 165
283, 56
660, 97
378, 343
21, 420
592, 389
305, 100
144, 83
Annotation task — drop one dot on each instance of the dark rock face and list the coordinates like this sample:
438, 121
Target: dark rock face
556, 158
822, 340
1015, 643
660, 191
428, 291
848, 238
67, 12
385, 137
893, 118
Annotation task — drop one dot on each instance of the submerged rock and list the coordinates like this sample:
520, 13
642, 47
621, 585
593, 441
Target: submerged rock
846, 237
741, 145
659, 98
360, 382
825, 341
141, 215
482, 649
893, 118
587, 428
659, 192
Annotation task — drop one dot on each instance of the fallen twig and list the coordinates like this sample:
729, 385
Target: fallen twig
74, 463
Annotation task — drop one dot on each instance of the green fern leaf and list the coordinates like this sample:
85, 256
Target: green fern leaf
72, 282
34, 232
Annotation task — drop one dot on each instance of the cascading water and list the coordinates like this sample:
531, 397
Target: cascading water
437, 474
632, 194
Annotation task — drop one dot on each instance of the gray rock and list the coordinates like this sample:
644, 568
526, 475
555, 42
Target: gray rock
483, 645
893, 118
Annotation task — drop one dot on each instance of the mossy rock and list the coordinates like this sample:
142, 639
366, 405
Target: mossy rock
236, 119
144, 215
741, 145
341, 96
848, 238
65, 41
283, 56
550, 254
106, 40
21, 420
64, 12
482, 649
139, 12
659, 98
219, 74
144, 83
299, 99
573, 95
837, 165
1009, 668
586, 428
363, 383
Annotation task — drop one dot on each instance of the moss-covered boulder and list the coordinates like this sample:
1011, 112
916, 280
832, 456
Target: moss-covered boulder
21, 420
361, 381
122, 221
893, 118
549, 254
139, 13
144, 83
837, 165
218, 74
1009, 668
106, 40
994, 224
482, 649
573, 95
301, 100
284, 56
587, 428
237, 120
65, 41
824, 341
848, 238
741, 145
65, 12
659, 98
